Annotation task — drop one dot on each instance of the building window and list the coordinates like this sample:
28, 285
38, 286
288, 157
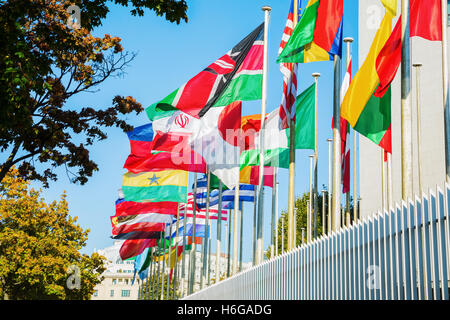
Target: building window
114, 281
126, 281
125, 293
111, 293
95, 293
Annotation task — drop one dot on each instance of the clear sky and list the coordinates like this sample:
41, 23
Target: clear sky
167, 56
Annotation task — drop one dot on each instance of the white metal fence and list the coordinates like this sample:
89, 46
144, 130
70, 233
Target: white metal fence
400, 254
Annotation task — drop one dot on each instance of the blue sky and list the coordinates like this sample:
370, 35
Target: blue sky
167, 56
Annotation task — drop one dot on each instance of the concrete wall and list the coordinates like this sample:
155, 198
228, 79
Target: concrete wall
432, 123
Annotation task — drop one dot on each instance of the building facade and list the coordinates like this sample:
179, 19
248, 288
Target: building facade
432, 149
118, 277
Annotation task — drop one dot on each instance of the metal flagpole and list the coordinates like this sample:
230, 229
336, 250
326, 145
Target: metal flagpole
311, 201
389, 180
291, 192
163, 269
316, 76
383, 198
419, 162
277, 219
194, 249
255, 221
235, 228
274, 200
348, 41
445, 88
329, 223
308, 220
205, 243
241, 237
169, 261
159, 270
183, 265
259, 228
282, 235
209, 260
219, 233
176, 253
323, 212
406, 114
229, 244
303, 236
336, 196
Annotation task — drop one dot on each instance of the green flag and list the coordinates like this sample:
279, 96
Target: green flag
304, 119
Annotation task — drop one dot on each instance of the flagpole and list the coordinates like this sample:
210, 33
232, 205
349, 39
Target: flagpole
418, 66
406, 114
291, 192
163, 269
219, 233
323, 212
240, 237
311, 201
255, 221
169, 264
336, 197
282, 235
259, 242
235, 228
316, 76
445, 88
348, 41
183, 264
383, 199
277, 219
194, 249
274, 199
308, 220
150, 275
329, 223
205, 244
159, 270
229, 244
176, 253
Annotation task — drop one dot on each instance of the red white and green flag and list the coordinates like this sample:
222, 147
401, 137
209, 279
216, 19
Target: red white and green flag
237, 75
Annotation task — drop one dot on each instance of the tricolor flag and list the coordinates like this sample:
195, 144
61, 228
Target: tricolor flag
289, 71
129, 208
237, 75
169, 185
142, 158
367, 104
140, 222
276, 139
318, 34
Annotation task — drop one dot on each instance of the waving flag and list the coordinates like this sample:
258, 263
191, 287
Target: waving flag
134, 247
318, 34
142, 158
168, 185
237, 75
246, 193
345, 151
289, 71
129, 208
187, 209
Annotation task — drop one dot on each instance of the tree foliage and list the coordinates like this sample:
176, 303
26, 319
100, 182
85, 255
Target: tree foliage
39, 244
43, 63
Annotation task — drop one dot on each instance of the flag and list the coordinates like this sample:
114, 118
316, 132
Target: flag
276, 139
129, 208
142, 158
345, 150
367, 110
137, 235
318, 34
425, 19
132, 248
237, 75
289, 71
141, 264
250, 175
246, 193
139, 222
188, 209
218, 141
169, 185
391, 6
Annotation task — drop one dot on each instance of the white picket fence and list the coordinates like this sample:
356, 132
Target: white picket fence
400, 254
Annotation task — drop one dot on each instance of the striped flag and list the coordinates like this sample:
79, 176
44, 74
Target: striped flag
188, 210
246, 193
345, 151
289, 71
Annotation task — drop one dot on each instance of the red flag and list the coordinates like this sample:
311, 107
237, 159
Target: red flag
132, 248
425, 19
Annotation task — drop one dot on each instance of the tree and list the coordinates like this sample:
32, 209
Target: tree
39, 247
43, 63
301, 216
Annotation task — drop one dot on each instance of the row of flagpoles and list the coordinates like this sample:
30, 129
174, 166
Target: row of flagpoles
154, 197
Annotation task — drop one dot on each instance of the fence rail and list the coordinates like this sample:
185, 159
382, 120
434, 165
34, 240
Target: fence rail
399, 254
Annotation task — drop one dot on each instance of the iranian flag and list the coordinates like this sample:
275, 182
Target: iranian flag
237, 75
